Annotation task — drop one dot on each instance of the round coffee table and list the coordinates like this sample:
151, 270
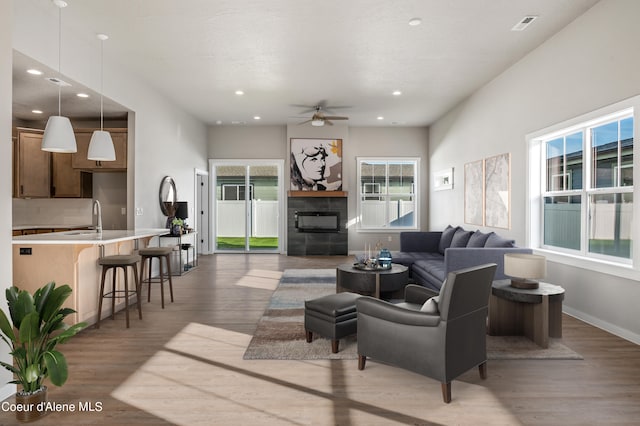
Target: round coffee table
371, 282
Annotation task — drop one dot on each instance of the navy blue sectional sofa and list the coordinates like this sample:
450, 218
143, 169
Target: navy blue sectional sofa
430, 256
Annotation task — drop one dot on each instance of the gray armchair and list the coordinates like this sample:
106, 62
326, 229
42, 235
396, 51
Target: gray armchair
439, 345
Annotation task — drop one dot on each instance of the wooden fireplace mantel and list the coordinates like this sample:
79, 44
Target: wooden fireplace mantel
317, 193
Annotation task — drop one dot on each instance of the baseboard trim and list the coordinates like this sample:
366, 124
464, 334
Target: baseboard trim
604, 325
7, 390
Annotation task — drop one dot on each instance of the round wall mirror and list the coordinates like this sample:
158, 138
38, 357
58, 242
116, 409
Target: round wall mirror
168, 196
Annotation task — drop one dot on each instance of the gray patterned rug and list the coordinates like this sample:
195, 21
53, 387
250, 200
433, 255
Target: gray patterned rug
280, 331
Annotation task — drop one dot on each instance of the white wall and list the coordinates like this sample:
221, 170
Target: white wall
591, 63
163, 139
272, 142
6, 270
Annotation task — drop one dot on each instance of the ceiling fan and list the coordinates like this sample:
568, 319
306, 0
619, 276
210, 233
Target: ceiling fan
319, 118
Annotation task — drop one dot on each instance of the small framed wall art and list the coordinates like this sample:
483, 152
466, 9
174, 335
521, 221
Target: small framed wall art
443, 180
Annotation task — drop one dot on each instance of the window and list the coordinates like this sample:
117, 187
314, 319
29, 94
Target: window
235, 192
387, 193
587, 188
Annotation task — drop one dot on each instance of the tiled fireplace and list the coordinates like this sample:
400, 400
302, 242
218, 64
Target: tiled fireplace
317, 226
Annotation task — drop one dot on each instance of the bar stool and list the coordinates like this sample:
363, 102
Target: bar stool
114, 262
159, 253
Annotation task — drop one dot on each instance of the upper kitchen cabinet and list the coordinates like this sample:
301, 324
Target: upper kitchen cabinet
32, 177
83, 137
67, 181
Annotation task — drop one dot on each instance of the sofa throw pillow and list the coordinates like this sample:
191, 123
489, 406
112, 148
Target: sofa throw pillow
460, 238
430, 306
495, 240
478, 239
445, 239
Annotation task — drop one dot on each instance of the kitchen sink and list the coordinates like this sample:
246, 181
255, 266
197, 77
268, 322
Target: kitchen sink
80, 233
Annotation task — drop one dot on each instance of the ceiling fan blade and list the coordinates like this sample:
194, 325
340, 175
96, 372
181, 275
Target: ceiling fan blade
328, 122
305, 122
330, 117
330, 109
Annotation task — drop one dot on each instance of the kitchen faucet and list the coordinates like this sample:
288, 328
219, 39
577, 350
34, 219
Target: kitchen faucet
97, 210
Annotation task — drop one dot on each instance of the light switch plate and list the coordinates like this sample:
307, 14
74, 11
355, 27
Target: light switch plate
138, 211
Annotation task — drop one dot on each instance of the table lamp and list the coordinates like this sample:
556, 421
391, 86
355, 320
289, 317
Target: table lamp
524, 269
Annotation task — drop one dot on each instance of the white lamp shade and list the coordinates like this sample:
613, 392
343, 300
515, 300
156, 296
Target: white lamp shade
317, 123
522, 265
58, 135
101, 147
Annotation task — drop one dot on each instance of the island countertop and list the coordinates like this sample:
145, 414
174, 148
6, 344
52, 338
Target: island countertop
88, 236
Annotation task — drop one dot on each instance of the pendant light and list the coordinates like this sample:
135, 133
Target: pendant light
101, 145
58, 134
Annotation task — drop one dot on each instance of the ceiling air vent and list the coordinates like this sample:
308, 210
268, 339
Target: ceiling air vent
524, 23
57, 81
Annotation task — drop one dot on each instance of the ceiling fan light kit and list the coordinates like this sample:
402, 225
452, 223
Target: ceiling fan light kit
58, 133
319, 119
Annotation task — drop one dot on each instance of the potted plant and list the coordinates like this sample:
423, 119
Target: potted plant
35, 330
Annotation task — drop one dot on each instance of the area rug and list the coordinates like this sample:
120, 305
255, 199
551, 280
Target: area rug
280, 332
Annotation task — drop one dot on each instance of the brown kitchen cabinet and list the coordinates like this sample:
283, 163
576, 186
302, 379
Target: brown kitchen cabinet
67, 181
83, 137
32, 166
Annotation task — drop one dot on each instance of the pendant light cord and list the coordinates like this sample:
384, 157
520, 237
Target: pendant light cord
101, 83
59, 59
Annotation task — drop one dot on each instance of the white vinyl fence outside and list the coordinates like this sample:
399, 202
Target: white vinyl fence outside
373, 211
230, 218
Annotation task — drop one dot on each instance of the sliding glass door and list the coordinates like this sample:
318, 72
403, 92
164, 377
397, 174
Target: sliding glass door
247, 204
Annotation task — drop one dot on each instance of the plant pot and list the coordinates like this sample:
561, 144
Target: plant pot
32, 407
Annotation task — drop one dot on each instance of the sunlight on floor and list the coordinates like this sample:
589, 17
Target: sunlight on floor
259, 278
203, 369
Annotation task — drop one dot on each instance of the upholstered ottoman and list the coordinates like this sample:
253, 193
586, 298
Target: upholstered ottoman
333, 316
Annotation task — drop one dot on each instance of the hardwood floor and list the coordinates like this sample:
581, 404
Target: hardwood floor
183, 365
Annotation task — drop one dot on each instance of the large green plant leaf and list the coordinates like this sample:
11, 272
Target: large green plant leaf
69, 332
41, 296
6, 327
32, 373
30, 328
22, 306
54, 303
56, 367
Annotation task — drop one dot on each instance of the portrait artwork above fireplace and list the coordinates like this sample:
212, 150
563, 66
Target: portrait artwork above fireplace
316, 164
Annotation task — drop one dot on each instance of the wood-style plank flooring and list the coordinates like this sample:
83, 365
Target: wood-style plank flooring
183, 365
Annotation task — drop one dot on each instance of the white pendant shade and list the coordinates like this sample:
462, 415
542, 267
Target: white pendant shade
101, 147
58, 135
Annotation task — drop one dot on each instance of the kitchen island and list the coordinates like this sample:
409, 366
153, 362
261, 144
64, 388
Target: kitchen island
72, 258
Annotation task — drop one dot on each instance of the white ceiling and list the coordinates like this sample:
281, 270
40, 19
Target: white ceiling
285, 52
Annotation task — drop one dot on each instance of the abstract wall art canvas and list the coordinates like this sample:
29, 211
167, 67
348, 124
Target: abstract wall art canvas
474, 193
497, 173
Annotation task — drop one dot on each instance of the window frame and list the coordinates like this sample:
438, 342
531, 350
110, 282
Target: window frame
386, 195
536, 191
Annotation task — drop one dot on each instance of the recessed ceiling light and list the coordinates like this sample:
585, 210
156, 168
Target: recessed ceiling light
219, 122
380, 118
415, 21
36, 111
82, 95
257, 117
34, 71
239, 92
396, 93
